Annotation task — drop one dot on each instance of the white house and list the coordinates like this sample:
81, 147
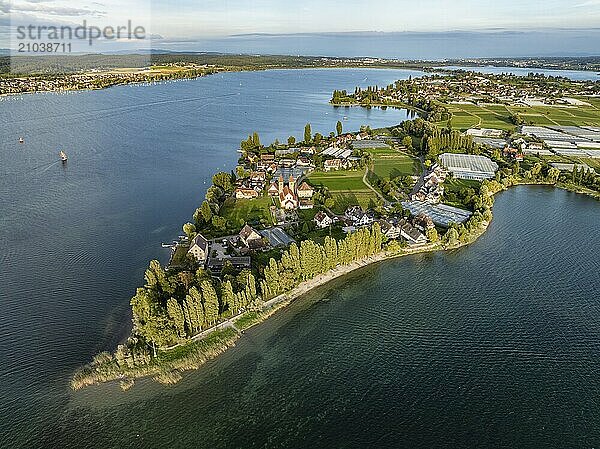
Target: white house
199, 248
323, 220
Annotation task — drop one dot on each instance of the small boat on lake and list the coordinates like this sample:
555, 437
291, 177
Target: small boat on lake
21, 140
63, 156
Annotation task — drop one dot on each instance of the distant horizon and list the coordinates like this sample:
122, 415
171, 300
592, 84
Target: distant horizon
459, 44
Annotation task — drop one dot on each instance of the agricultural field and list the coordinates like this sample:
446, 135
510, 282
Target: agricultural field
346, 187
465, 116
390, 163
456, 185
251, 211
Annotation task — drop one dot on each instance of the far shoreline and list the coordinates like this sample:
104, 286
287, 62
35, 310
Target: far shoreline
422, 69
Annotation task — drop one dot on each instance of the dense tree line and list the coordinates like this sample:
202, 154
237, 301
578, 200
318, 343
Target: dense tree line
304, 262
447, 140
174, 306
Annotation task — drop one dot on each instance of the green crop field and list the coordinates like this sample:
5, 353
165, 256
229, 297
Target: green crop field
465, 116
346, 187
389, 163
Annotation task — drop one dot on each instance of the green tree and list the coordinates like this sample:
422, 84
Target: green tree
206, 212
190, 230
307, 133
228, 298
211, 302
339, 127
175, 312
256, 140
432, 235
224, 181
291, 140
220, 223
452, 236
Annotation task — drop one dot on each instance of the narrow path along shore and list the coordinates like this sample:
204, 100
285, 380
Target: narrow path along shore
311, 284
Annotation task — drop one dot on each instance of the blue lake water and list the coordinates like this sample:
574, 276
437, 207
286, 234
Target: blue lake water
494, 345
76, 239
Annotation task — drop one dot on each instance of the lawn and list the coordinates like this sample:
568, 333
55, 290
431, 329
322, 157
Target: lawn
256, 210
180, 256
339, 181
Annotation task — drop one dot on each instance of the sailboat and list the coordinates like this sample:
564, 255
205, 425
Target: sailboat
63, 156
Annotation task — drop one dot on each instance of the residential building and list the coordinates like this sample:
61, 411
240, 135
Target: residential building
323, 220
333, 164
305, 191
358, 217
250, 238
245, 193
199, 249
410, 233
273, 190
391, 231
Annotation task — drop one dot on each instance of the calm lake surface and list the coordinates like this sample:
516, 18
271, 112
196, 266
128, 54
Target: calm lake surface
75, 240
494, 345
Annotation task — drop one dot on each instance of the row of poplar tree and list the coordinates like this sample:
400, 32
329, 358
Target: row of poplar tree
172, 307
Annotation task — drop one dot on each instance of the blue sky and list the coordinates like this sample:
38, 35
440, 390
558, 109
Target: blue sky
224, 17
206, 18
182, 23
